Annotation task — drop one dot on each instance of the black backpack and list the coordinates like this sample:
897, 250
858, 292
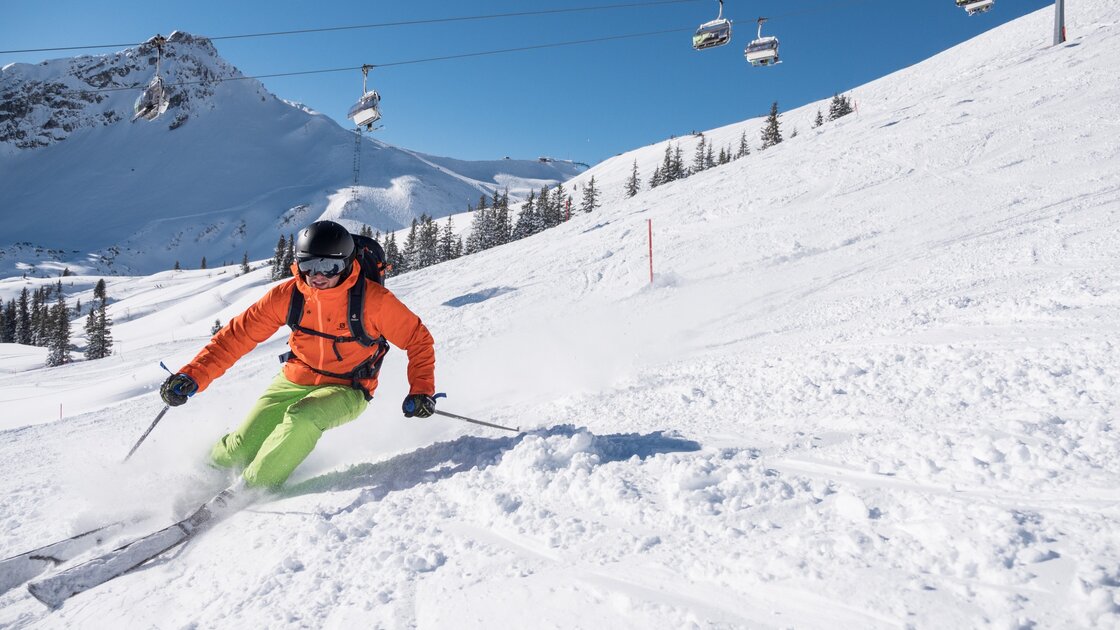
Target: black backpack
371, 257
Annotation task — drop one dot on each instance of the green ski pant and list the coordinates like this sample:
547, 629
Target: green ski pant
283, 427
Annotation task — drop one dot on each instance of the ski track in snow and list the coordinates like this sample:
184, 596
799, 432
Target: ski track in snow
888, 400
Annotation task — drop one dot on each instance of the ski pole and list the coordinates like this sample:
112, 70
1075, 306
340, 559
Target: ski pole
485, 424
143, 437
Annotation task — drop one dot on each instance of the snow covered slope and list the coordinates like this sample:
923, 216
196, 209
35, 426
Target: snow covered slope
226, 170
875, 384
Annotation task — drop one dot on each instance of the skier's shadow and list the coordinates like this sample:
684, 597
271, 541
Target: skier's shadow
445, 459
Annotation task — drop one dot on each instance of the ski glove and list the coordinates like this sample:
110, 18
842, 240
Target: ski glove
418, 405
177, 388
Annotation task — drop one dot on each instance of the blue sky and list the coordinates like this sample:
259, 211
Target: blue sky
585, 102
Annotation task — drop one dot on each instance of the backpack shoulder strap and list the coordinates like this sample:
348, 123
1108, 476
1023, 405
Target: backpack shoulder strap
295, 308
356, 308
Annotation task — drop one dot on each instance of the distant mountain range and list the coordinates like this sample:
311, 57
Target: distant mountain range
225, 171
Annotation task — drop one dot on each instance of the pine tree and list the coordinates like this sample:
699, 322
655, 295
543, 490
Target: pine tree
590, 197
428, 242
8, 323
245, 263
633, 185
446, 246
278, 258
819, 120
656, 179
393, 256
544, 211
99, 290
667, 165
289, 258
78, 307
92, 350
560, 204
106, 337
202, 265
678, 163
39, 317
409, 248
698, 162
744, 148
366, 231
59, 341
23, 319
177, 266
216, 327
523, 226
839, 107
724, 156
709, 158
772, 132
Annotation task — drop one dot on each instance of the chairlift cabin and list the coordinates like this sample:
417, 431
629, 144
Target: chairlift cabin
714, 33
763, 51
976, 6
154, 100
366, 111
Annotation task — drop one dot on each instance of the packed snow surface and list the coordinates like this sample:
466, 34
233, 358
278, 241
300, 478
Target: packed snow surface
873, 383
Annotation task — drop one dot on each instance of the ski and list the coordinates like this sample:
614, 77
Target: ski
56, 589
25, 566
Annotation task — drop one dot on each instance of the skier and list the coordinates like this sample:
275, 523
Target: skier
330, 373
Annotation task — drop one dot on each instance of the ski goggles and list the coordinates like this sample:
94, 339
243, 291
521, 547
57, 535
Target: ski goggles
329, 267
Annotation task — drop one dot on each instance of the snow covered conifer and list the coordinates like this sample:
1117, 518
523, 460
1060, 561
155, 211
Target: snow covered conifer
446, 247
633, 185
39, 317
409, 255
278, 259
202, 265
523, 226
216, 327
289, 257
772, 132
819, 120
559, 204
23, 319
8, 323
698, 162
59, 341
245, 263
393, 255
744, 147
839, 107
428, 243
177, 266
590, 197
99, 291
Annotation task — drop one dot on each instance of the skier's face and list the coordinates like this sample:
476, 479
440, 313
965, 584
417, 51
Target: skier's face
319, 281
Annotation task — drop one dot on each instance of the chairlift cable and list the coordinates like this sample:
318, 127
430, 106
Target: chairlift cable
398, 63
377, 25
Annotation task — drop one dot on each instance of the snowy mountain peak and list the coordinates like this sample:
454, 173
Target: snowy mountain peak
45, 103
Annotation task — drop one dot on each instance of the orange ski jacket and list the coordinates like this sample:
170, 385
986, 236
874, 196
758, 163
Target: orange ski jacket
325, 310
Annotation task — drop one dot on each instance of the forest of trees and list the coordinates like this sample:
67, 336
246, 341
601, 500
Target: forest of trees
42, 318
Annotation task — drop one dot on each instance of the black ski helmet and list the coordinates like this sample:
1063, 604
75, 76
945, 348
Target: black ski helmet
325, 239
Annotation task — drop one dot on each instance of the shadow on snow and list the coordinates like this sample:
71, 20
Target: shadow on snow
445, 459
